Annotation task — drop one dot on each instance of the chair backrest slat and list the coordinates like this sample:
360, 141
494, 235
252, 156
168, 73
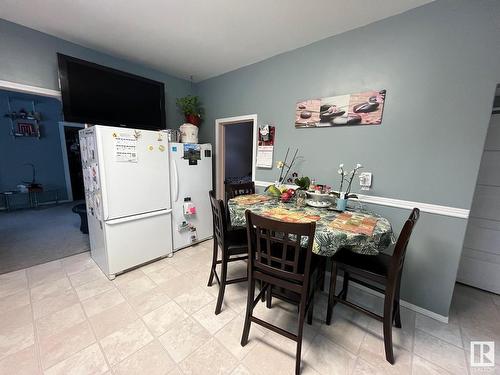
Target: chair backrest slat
234, 190
219, 218
275, 247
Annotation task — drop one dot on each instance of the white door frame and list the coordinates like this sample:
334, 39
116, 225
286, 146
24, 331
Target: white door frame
220, 126
64, 151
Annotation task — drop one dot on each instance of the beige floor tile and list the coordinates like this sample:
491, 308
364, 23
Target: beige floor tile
403, 336
45, 276
241, 370
78, 263
93, 288
85, 276
193, 300
230, 337
328, 358
100, 302
88, 361
163, 318
210, 358
449, 332
128, 276
176, 371
178, 285
372, 351
440, 352
155, 266
16, 318
183, 338
59, 321
137, 286
14, 301
269, 358
123, 343
111, 320
187, 263
149, 301
347, 329
422, 367
49, 288
24, 362
54, 302
41, 271
58, 347
212, 323
164, 275
15, 339
13, 285
151, 359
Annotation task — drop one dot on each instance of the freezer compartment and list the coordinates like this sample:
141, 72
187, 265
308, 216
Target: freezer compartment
138, 239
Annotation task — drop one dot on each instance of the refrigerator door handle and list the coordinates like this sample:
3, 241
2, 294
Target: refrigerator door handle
138, 217
175, 182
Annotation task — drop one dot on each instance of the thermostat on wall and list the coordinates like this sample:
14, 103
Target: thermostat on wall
365, 180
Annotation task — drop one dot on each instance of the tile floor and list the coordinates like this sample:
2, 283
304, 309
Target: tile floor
65, 317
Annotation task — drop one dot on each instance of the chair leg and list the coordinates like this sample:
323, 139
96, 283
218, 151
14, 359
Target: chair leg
331, 293
345, 286
310, 311
269, 296
249, 310
263, 297
222, 286
302, 315
388, 308
214, 263
321, 274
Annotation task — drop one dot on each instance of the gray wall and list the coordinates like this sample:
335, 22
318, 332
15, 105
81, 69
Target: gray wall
440, 64
44, 153
238, 141
29, 57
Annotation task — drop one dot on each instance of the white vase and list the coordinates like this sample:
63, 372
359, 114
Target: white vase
189, 133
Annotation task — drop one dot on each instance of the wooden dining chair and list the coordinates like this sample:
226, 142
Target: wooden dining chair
234, 190
233, 245
279, 261
382, 269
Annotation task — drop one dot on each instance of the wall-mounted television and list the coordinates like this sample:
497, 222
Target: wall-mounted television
96, 94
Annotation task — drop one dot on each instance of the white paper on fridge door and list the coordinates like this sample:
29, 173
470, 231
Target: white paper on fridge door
125, 147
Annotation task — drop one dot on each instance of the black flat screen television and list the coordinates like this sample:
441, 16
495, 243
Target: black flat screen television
95, 94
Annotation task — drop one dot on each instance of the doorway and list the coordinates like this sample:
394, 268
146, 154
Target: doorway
73, 173
236, 146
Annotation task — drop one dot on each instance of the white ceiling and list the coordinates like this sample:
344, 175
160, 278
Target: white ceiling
202, 38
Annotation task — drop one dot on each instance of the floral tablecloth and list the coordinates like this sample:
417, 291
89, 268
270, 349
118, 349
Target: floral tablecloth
362, 232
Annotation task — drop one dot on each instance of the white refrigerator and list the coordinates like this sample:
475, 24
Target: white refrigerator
127, 189
191, 180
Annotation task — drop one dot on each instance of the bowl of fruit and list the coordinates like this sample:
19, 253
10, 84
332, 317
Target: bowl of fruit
283, 193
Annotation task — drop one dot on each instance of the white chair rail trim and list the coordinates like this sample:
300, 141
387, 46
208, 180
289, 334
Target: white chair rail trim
461, 213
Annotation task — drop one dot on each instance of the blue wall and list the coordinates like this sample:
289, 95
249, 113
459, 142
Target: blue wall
440, 64
45, 153
29, 57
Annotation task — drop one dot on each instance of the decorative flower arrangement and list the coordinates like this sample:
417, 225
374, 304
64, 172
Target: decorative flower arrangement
278, 188
347, 178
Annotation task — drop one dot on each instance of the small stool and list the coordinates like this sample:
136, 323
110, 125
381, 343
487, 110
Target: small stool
81, 209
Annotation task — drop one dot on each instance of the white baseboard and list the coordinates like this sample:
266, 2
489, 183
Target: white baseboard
408, 305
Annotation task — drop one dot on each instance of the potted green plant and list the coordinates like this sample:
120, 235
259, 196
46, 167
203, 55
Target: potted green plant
191, 107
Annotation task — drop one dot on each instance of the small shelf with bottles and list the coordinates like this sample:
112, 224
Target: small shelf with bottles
24, 123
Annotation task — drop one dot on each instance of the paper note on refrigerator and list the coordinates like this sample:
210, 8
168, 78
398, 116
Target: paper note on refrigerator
125, 147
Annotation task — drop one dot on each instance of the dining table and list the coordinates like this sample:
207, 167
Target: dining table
360, 231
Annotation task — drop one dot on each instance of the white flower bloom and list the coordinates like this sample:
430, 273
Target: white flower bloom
341, 166
280, 164
358, 166
340, 171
